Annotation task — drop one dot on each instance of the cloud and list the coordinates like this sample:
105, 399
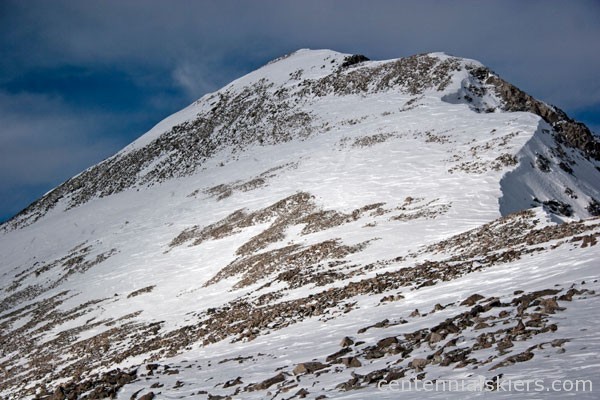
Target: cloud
194, 78
43, 142
548, 47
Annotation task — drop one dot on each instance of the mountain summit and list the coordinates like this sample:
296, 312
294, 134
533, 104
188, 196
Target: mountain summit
324, 224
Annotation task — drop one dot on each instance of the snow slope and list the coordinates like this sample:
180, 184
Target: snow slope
310, 199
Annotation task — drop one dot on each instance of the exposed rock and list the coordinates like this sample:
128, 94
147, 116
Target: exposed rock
521, 357
141, 291
308, 367
233, 382
519, 328
302, 393
353, 60
267, 382
504, 344
346, 342
335, 357
472, 300
435, 337
481, 325
351, 362
569, 295
415, 313
350, 384
418, 363
218, 397
593, 207
550, 305
387, 342
572, 133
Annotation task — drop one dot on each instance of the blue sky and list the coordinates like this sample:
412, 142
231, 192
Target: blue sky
81, 79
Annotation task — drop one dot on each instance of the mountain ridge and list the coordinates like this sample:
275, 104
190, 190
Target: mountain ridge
420, 72
319, 226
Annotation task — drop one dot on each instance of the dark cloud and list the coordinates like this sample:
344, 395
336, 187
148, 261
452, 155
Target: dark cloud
80, 79
548, 46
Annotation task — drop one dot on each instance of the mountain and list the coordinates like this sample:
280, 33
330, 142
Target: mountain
322, 226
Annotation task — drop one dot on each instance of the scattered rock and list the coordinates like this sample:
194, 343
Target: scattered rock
521, 357
481, 325
550, 305
308, 367
351, 362
418, 363
267, 382
302, 393
233, 382
504, 344
519, 328
435, 337
334, 358
387, 342
346, 342
472, 300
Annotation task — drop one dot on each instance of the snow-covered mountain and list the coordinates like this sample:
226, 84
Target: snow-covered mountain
315, 229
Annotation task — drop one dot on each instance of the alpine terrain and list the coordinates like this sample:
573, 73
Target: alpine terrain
324, 227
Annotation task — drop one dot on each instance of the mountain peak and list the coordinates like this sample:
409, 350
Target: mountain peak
284, 100
322, 224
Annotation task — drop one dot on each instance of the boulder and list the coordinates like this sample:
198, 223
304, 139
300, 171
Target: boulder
351, 362
418, 363
308, 367
472, 300
268, 382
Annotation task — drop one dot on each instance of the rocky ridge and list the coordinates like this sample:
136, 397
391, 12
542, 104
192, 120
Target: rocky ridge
266, 113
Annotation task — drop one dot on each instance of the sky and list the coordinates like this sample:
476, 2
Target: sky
79, 80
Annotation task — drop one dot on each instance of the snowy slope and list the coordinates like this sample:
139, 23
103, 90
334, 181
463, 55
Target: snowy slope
316, 196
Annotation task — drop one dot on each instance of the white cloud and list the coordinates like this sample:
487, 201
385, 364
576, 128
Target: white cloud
193, 80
